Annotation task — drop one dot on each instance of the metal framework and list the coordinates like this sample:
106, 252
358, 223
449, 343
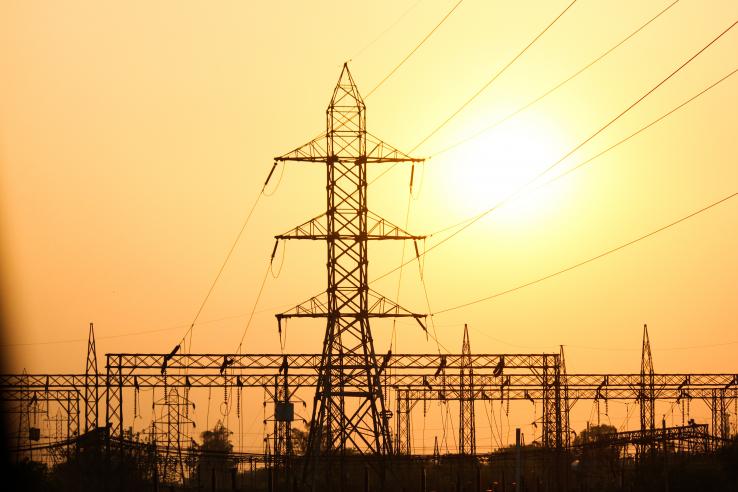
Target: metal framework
349, 410
282, 396
170, 431
28, 402
688, 438
467, 426
92, 384
413, 378
719, 403
403, 432
566, 428
647, 384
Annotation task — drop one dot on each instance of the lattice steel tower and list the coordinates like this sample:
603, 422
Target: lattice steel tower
647, 394
92, 397
467, 424
349, 410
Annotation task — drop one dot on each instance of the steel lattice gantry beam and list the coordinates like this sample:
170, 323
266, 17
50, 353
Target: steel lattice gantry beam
156, 362
415, 377
688, 437
424, 386
129, 370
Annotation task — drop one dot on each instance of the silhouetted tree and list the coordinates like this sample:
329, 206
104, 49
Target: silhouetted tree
299, 441
598, 460
215, 453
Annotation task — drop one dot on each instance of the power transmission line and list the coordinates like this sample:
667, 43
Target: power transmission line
467, 223
611, 147
256, 303
387, 29
228, 256
594, 258
555, 87
412, 52
491, 80
482, 89
499, 73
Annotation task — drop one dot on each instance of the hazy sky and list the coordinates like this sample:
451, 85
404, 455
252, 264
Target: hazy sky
135, 136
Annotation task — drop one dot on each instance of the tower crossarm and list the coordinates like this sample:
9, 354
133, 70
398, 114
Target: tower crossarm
378, 151
313, 151
379, 307
378, 228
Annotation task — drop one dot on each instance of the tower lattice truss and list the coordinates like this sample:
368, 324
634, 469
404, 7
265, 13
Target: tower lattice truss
349, 410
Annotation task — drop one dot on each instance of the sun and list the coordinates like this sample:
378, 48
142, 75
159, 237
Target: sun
499, 164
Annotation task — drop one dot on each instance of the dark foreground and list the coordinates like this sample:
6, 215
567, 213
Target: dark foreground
539, 470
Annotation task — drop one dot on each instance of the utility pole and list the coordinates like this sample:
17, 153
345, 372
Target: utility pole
517, 459
666, 454
349, 411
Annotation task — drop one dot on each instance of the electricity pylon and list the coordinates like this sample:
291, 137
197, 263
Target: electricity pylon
647, 391
92, 397
647, 384
467, 425
349, 410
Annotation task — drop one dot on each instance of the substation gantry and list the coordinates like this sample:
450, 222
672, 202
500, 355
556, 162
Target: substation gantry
413, 378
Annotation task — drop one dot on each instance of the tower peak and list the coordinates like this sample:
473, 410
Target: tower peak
346, 93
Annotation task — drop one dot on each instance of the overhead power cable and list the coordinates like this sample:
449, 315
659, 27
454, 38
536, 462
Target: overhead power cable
482, 89
555, 87
492, 79
468, 222
608, 149
593, 258
258, 297
498, 74
387, 29
412, 52
228, 255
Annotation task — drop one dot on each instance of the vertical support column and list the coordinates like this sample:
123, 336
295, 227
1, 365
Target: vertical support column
74, 412
724, 415
566, 429
403, 408
550, 422
283, 417
720, 427
517, 459
114, 394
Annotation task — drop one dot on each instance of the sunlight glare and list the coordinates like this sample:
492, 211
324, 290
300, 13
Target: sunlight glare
495, 165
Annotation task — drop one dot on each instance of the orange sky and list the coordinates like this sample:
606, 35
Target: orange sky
135, 136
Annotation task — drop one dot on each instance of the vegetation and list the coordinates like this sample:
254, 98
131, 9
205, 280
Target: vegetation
215, 456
